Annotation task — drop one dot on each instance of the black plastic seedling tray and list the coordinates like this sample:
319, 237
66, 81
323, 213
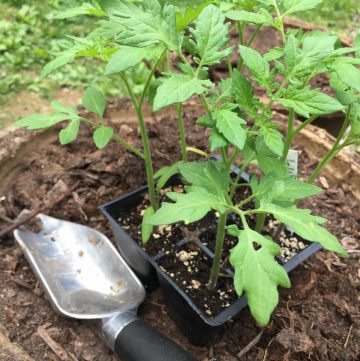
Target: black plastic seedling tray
190, 319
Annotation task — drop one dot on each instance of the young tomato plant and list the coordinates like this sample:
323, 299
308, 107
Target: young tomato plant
242, 125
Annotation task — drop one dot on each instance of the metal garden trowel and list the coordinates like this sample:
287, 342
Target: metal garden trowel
84, 277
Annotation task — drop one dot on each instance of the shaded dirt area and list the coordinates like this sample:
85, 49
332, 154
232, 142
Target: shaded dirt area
317, 319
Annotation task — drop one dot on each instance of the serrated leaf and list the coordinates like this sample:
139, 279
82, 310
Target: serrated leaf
63, 108
63, 59
206, 121
272, 165
102, 136
165, 173
257, 65
348, 74
127, 57
244, 93
146, 228
40, 121
261, 18
217, 140
179, 88
143, 24
257, 274
317, 47
294, 6
209, 175
307, 101
188, 207
306, 226
230, 125
70, 133
273, 139
84, 9
210, 36
189, 15
344, 95
93, 100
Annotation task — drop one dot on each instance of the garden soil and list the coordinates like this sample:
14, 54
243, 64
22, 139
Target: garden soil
317, 319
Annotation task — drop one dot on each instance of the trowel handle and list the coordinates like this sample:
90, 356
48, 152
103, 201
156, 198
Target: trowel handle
138, 341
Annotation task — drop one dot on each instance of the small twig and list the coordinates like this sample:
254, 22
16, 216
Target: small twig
348, 336
58, 350
6, 219
22, 284
248, 347
42, 209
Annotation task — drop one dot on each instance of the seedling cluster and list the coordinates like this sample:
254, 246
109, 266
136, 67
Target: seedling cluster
242, 126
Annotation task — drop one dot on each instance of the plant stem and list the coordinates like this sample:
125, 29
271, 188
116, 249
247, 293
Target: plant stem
220, 235
289, 135
260, 221
237, 179
145, 140
333, 151
253, 35
181, 131
281, 28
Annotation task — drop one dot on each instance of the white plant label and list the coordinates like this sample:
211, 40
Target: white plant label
293, 161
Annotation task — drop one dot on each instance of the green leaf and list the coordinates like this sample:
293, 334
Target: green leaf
216, 140
294, 6
93, 100
63, 59
165, 173
257, 274
127, 57
272, 165
291, 53
295, 189
257, 65
244, 93
229, 125
317, 47
343, 94
306, 226
210, 175
63, 108
349, 75
210, 36
355, 120
260, 18
144, 24
307, 101
273, 139
40, 121
206, 121
84, 9
189, 207
70, 133
190, 14
179, 88
146, 228
102, 136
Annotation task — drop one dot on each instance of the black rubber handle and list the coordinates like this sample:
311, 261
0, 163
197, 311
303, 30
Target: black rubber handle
138, 341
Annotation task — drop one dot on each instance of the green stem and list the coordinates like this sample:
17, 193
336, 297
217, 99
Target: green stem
253, 35
237, 179
260, 221
281, 28
304, 124
181, 131
119, 139
220, 236
289, 134
333, 151
145, 140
